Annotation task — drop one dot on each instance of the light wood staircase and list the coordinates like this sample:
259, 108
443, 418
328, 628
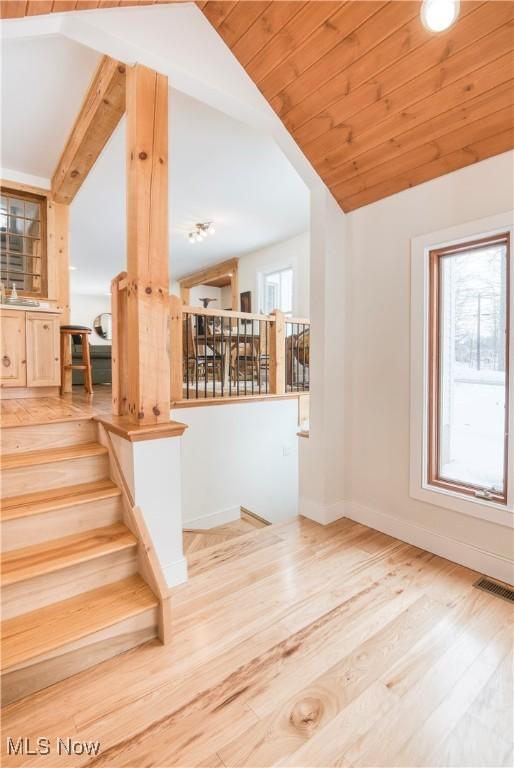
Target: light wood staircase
72, 593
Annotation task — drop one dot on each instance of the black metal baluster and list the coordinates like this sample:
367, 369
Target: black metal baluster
259, 323
196, 353
303, 358
230, 356
297, 382
205, 376
222, 354
267, 357
186, 320
237, 359
253, 354
291, 347
213, 341
245, 354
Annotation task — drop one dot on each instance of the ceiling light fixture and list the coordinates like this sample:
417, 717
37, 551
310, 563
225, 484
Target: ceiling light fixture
201, 231
438, 15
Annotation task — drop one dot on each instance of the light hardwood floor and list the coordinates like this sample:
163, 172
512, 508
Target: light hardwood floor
195, 540
45, 410
298, 645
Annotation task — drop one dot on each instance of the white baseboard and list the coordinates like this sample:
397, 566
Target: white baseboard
176, 573
323, 514
468, 555
222, 517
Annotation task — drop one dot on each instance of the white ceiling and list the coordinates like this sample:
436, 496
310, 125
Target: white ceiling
221, 170
43, 85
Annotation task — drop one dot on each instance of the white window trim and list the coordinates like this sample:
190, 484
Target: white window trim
419, 487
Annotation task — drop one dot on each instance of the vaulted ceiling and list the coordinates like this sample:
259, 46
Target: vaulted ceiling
376, 102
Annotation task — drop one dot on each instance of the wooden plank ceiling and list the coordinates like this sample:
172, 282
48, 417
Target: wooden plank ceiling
376, 102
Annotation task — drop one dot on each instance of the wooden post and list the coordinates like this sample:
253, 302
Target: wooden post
184, 295
119, 344
234, 290
66, 360
147, 246
176, 352
277, 356
62, 259
58, 263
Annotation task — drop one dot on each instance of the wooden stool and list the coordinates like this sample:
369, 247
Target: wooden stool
67, 366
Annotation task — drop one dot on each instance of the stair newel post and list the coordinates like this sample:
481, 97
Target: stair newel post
147, 247
277, 356
119, 344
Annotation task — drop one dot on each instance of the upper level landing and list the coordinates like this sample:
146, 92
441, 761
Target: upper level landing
27, 411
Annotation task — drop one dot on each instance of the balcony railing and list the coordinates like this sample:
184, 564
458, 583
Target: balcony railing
297, 354
218, 354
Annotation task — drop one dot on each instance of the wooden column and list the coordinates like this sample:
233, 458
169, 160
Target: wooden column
277, 354
184, 295
176, 356
234, 290
147, 247
58, 257
62, 259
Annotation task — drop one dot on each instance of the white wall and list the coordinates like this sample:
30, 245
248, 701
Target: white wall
322, 468
239, 454
85, 308
376, 318
295, 253
205, 292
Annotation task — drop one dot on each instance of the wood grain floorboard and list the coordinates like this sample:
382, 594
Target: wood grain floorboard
300, 645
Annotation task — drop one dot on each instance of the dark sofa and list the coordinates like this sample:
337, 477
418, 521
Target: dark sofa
100, 363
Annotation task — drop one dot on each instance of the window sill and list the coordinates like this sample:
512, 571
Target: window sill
491, 511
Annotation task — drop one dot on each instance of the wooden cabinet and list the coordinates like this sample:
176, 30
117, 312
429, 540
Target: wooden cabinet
13, 368
42, 338
29, 354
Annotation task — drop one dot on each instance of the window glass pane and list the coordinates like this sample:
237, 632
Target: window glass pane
271, 292
20, 240
3, 214
15, 243
278, 291
16, 225
472, 374
16, 207
286, 291
32, 228
31, 210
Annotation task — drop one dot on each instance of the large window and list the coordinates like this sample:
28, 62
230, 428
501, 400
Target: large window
22, 241
469, 367
278, 291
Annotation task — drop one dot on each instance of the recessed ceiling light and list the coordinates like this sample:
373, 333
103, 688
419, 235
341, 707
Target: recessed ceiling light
438, 15
72, 269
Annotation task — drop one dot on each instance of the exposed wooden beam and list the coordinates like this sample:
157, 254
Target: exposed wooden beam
99, 115
228, 268
203, 276
148, 312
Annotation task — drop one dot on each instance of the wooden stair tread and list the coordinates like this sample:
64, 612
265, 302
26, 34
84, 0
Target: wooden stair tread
47, 456
49, 556
52, 499
32, 634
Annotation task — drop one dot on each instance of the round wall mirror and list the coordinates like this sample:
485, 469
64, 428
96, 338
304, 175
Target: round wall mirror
103, 325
